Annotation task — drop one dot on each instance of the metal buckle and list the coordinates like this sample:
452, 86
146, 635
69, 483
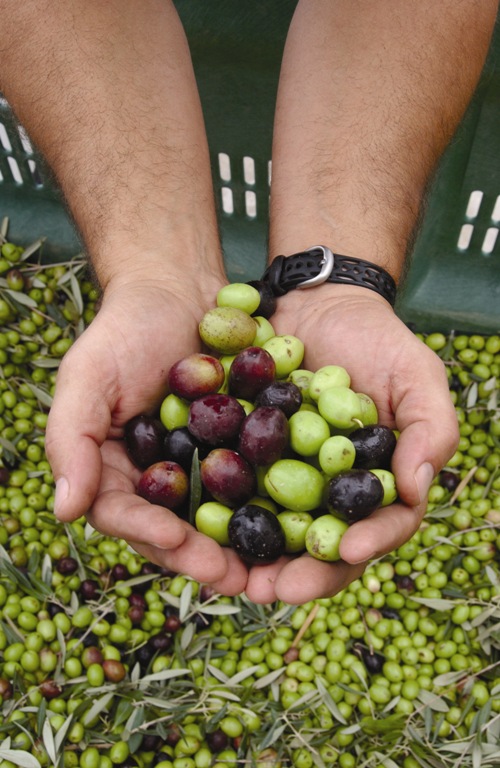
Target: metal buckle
326, 268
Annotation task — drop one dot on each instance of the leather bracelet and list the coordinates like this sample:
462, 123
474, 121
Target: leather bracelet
318, 265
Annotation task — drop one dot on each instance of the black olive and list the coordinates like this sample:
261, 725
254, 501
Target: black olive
267, 306
373, 661
180, 445
284, 395
390, 613
256, 535
374, 446
405, 583
144, 437
354, 494
448, 480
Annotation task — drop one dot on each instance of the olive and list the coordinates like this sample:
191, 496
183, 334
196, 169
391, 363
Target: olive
67, 565
144, 437
354, 494
89, 589
180, 445
256, 535
373, 661
374, 446
390, 613
449, 480
268, 301
281, 394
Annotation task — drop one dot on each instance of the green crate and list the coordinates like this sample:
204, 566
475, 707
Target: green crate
453, 281
454, 277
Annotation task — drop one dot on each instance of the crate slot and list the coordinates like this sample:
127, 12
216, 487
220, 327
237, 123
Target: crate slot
4, 138
489, 241
224, 166
249, 170
227, 200
25, 142
465, 237
35, 174
474, 204
495, 216
15, 170
250, 204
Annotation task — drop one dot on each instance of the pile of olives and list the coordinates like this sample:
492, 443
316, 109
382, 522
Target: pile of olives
286, 458
107, 660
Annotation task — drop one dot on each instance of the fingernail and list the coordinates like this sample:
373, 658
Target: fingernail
423, 478
61, 494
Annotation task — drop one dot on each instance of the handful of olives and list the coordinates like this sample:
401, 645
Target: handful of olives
285, 458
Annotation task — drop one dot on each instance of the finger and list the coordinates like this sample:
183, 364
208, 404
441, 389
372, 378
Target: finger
385, 530
261, 585
122, 514
202, 559
426, 417
419, 456
114, 456
305, 578
77, 425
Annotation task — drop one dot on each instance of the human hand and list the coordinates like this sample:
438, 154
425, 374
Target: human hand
115, 370
357, 329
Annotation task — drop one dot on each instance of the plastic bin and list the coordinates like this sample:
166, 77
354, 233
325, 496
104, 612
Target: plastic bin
453, 281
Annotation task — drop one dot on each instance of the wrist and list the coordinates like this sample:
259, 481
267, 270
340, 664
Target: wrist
318, 265
192, 270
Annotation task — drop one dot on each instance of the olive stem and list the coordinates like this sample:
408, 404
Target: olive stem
305, 626
458, 490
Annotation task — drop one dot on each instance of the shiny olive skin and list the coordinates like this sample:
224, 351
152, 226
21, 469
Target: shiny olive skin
144, 436
354, 494
180, 445
256, 535
374, 446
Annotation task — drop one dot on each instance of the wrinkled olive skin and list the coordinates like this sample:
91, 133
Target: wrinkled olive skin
281, 394
354, 495
256, 535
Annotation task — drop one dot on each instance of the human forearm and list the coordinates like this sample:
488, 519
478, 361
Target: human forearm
107, 93
370, 94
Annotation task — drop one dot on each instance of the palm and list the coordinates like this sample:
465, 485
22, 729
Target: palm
360, 334
407, 381
117, 370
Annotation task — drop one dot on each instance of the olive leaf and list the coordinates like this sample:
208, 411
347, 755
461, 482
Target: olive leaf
98, 706
269, 679
41, 395
432, 701
436, 603
472, 395
48, 740
20, 757
195, 488
62, 731
272, 736
21, 299
32, 248
185, 601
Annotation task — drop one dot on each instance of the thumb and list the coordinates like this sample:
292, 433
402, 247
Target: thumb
78, 424
421, 452
429, 430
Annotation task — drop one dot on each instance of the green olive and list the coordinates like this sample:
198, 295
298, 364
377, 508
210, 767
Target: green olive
295, 485
323, 537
